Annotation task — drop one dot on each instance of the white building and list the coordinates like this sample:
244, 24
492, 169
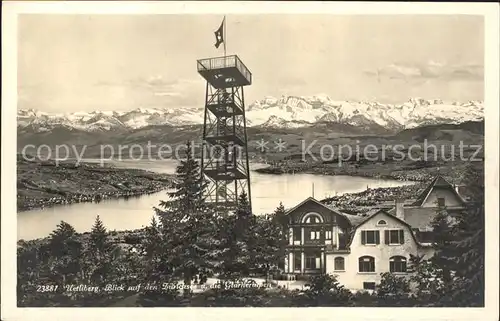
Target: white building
359, 248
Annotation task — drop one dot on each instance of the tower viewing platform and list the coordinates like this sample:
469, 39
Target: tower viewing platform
225, 72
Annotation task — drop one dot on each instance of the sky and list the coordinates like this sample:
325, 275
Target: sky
69, 63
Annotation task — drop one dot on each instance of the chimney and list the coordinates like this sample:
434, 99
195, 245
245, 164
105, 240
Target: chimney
400, 212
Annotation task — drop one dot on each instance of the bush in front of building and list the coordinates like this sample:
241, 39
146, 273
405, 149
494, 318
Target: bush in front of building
325, 290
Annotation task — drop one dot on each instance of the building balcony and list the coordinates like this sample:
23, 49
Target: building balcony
224, 72
314, 242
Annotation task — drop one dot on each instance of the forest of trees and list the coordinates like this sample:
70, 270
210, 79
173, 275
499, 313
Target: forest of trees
187, 243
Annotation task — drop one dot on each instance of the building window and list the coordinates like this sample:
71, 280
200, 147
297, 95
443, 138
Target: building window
313, 261
397, 264
440, 201
395, 237
366, 264
297, 234
312, 219
328, 235
382, 222
370, 237
369, 285
297, 261
312, 234
339, 264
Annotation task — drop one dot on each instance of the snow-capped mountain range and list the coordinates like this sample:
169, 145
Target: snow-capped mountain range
284, 112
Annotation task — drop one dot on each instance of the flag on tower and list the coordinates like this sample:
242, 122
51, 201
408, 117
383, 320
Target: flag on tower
219, 34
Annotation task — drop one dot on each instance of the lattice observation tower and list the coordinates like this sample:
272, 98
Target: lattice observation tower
224, 162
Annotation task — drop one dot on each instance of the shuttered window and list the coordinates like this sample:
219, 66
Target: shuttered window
370, 237
394, 236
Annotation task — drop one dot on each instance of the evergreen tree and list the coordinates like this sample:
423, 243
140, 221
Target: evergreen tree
99, 267
157, 269
59, 238
188, 225
188, 187
280, 218
99, 237
470, 244
152, 245
244, 222
65, 252
269, 249
443, 244
238, 242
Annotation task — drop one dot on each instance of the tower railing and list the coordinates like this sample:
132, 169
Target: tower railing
225, 62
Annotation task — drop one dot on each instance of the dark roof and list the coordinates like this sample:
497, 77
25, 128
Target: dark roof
355, 220
376, 212
418, 217
303, 202
311, 199
390, 204
440, 182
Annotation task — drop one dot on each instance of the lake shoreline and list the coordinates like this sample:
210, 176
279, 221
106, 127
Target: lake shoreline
388, 171
45, 184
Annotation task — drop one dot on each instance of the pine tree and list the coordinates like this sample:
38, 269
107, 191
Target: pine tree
65, 251
188, 186
280, 218
443, 244
99, 267
152, 246
233, 233
188, 225
470, 244
244, 218
99, 237
269, 244
157, 269
279, 215
60, 236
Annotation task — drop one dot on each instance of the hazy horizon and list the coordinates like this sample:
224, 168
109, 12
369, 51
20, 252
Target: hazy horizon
69, 63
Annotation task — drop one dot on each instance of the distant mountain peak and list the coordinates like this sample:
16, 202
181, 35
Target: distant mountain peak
287, 111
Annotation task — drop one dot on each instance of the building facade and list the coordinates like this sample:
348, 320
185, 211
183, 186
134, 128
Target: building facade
359, 248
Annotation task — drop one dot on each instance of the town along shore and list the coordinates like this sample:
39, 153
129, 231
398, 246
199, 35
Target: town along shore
43, 184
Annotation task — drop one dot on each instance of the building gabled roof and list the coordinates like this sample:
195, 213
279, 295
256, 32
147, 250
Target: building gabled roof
350, 218
310, 198
438, 182
377, 212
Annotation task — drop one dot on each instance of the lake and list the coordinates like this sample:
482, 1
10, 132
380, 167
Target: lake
121, 214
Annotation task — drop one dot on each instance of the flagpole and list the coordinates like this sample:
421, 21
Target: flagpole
225, 36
